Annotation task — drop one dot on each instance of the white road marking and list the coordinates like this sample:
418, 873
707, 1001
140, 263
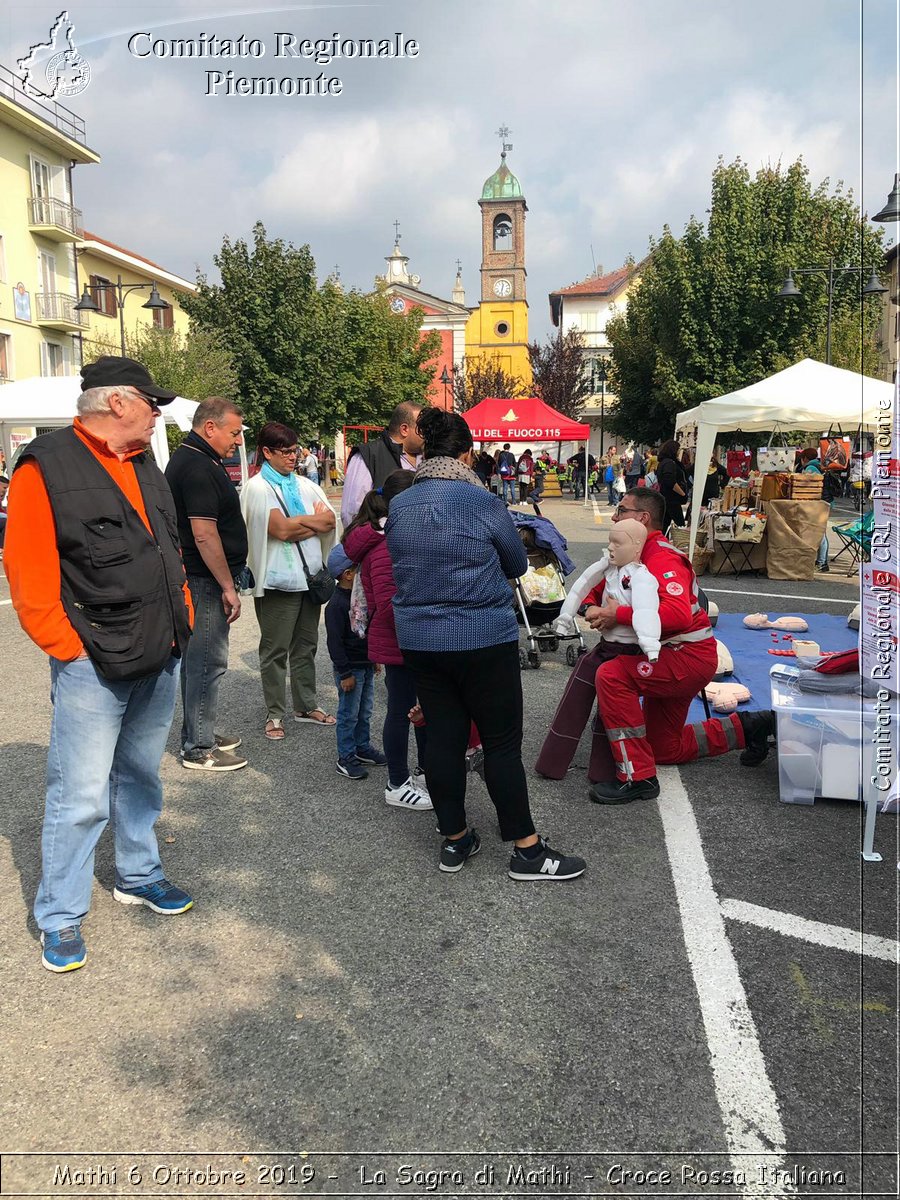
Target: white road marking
5, 601
598, 515
835, 936
851, 598
749, 1106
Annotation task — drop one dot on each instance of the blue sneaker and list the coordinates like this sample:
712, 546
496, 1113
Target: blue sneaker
64, 949
161, 896
352, 768
371, 756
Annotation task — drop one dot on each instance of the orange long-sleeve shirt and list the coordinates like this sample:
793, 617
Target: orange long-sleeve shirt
31, 558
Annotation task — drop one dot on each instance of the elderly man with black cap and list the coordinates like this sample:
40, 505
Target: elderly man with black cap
96, 577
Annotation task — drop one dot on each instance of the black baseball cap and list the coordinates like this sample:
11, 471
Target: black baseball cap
111, 371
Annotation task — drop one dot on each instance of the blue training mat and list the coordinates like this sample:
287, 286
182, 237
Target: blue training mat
749, 649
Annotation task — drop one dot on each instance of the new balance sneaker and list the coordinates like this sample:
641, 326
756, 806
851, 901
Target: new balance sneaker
758, 727
454, 854
408, 795
212, 760
620, 791
64, 949
418, 778
162, 896
371, 756
352, 767
547, 864
227, 741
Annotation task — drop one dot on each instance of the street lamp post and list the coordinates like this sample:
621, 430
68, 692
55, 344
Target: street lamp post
790, 291
445, 380
88, 304
602, 377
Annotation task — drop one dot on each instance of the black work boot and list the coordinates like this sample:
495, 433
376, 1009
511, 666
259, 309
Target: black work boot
620, 791
758, 727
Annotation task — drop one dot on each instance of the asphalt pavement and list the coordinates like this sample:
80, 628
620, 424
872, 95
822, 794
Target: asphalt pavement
332, 994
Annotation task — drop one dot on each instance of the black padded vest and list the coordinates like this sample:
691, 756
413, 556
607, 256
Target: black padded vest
121, 588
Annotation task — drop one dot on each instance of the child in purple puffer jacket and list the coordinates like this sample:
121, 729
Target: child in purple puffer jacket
364, 543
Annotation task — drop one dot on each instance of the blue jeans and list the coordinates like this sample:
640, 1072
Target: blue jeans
610, 494
510, 486
106, 743
205, 662
355, 712
822, 552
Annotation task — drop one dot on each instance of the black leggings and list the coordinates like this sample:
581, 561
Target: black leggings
484, 686
401, 697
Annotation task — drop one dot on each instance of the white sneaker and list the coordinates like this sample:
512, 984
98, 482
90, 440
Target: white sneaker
418, 781
407, 795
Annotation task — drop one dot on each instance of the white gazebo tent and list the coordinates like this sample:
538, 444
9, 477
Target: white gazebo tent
50, 402
809, 395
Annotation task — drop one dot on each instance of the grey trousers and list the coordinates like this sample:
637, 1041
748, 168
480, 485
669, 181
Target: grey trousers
288, 636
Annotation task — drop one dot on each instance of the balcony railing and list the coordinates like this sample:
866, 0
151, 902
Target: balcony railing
58, 308
57, 115
47, 211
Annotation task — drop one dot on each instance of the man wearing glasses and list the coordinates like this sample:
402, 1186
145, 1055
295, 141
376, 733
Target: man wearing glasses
630, 737
97, 581
214, 544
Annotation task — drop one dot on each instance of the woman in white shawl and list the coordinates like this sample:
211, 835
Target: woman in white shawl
286, 514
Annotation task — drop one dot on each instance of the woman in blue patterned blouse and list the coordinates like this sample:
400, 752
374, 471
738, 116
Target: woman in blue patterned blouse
454, 547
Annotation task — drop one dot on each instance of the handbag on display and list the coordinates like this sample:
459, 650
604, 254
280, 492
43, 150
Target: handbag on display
776, 458
737, 463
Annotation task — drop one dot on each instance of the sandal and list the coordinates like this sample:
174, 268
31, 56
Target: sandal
274, 729
315, 716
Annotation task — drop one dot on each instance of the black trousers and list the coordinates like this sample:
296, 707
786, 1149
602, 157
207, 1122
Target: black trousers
484, 686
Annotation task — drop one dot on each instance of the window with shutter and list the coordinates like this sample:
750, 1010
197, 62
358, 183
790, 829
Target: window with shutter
104, 295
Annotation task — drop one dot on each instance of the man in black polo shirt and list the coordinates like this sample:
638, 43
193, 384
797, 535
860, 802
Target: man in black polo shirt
214, 546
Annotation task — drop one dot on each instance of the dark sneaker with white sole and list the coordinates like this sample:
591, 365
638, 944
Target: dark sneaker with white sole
212, 760
162, 896
455, 854
227, 741
371, 756
64, 949
352, 768
620, 791
758, 727
547, 864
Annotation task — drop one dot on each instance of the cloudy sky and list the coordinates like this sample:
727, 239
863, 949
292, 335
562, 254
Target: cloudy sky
618, 109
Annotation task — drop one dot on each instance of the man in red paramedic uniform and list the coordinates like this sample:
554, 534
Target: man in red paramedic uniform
641, 737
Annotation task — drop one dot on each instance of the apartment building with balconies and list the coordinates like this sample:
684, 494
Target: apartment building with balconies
41, 142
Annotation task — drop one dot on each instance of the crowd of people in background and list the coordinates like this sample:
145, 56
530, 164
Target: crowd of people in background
414, 576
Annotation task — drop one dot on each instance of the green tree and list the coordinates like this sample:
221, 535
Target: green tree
558, 370
707, 318
195, 365
482, 377
312, 356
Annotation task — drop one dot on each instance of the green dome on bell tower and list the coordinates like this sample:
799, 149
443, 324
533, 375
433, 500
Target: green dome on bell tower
502, 185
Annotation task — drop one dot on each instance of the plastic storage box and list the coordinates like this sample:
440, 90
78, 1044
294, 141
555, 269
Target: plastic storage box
825, 742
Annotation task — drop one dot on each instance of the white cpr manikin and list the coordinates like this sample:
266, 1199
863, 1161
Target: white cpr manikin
627, 581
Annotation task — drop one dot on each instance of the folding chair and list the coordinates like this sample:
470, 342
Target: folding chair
856, 540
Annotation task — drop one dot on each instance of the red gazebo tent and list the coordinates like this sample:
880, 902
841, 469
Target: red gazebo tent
525, 420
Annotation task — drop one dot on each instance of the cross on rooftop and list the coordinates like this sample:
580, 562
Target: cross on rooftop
503, 133
396, 231
458, 266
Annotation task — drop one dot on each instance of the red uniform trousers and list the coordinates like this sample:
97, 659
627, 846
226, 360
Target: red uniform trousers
641, 737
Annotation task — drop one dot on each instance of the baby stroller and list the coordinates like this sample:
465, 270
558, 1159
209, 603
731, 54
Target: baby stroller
540, 595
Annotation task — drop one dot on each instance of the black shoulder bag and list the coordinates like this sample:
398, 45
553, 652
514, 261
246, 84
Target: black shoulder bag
321, 586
